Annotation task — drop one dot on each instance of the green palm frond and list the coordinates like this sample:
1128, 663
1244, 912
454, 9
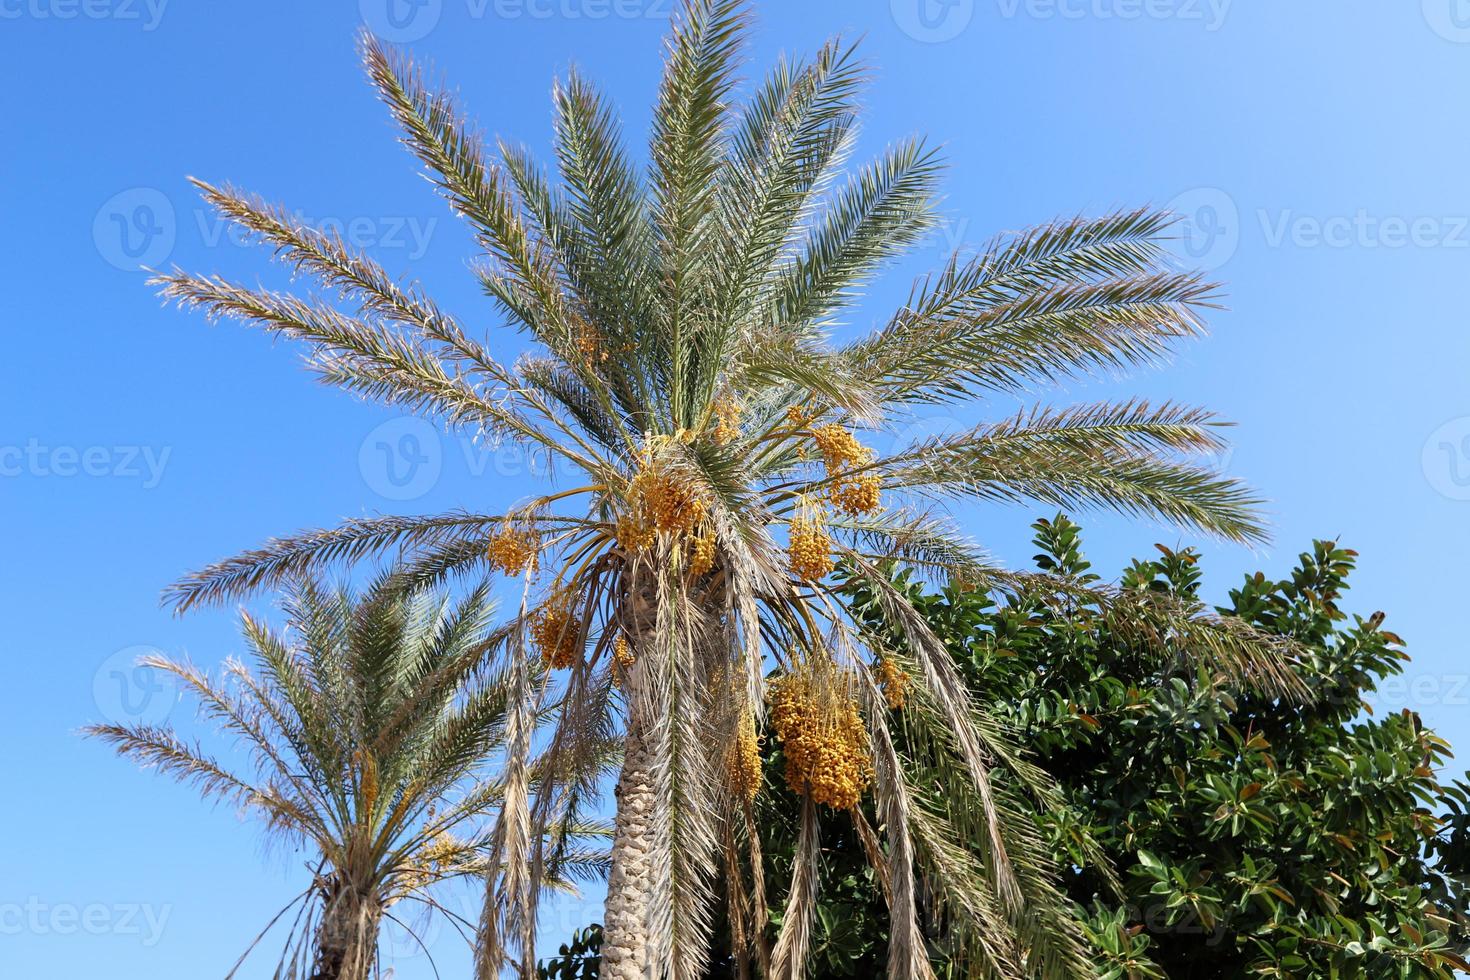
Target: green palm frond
886, 207
456, 162
789, 137
1179, 629
1109, 455
1071, 298
371, 360
927, 541
159, 748
283, 559
355, 275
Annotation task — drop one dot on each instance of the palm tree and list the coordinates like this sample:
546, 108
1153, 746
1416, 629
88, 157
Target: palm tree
367, 730
683, 318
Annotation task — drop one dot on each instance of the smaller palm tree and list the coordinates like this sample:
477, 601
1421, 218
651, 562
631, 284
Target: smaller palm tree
367, 725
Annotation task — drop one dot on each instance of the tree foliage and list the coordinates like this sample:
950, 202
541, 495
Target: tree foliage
1205, 830
684, 318
364, 733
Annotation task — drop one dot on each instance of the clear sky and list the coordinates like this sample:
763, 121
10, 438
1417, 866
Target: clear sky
1316, 148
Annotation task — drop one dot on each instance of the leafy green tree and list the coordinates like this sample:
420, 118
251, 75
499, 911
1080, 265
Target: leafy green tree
579, 959
1253, 836
683, 364
365, 726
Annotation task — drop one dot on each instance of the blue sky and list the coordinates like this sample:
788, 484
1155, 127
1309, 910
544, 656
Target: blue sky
1316, 150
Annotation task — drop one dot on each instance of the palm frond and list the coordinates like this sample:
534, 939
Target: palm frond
1082, 298
159, 748
368, 359
311, 552
674, 701
1181, 629
687, 152
921, 539
793, 942
789, 136
456, 163
324, 255
908, 955
606, 201
1108, 455
886, 207
954, 703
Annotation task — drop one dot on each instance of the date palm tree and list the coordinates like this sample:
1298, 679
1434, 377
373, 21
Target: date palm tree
367, 725
689, 359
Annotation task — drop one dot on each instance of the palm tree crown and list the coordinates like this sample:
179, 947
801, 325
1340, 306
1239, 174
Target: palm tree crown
682, 316
368, 733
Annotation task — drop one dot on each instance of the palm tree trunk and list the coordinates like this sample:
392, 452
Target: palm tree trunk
347, 939
629, 883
